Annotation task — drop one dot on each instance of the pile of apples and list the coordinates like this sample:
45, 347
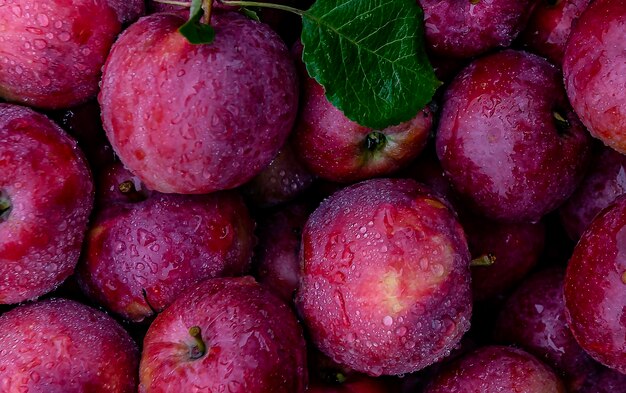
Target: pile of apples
200, 218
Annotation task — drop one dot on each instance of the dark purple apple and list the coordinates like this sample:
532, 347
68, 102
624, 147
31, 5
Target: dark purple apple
605, 381
139, 257
198, 118
534, 319
335, 148
277, 256
226, 334
496, 369
595, 287
284, 179
61, 346
116, 185
385, 285
515, 249
46, 196
594, 67
605, 181
550, 26
356, 385
467, 28
52, 51
508, 139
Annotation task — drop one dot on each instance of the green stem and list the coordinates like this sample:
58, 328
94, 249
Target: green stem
236, 3
483, 260
173, 2
5, 206
199, 348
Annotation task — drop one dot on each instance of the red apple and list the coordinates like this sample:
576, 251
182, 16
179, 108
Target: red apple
46, 196
61, 346
226, 334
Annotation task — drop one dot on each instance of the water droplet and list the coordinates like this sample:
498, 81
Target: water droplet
42, 19
409, 345
387, 321
350, 337
16, 10
401, 331
64, 36
339, 300
437, 269
363, 229
40, 44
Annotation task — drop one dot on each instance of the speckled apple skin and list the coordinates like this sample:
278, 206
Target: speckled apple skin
595, 292
605, 181
357, 385
550, 26
46, 177
385, 285
498, 139
51, 52
163, 246
605, 381
255, 342
534, 319
194, 119
333, 147
496, 369
594, 68
61, 346
458, 28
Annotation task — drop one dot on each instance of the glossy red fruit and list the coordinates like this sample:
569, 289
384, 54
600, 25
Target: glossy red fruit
534, 319
253, 342
550, 26
496, 369
59, 346
139, 257
595, 288
461, 29
52, 52
194, 119
46, 196
385, 277
507, 138
594, 68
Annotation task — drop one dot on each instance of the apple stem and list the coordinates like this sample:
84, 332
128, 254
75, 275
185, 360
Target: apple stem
375, 141
207, 6
236, 3
483, 260
562, 125
199, 349
5, 206
130, 191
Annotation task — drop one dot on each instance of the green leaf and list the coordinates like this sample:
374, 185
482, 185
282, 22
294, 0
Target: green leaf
369, 56
193, 30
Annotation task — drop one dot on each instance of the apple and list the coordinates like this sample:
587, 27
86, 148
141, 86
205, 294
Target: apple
46, 196
495, 369
385, 282
139, 256
52, 51
226, 334
508, 139
594, 68
194, 119
61, 346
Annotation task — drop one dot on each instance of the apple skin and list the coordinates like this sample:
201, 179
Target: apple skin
534, 319
461, 29
357, 385
594, 69
385, 284
335, 148
499, 140
139, 257
495, 369
605, 381
605, 181
595, 299
237, 102
46, 179
57, 48
550, 26
254, 342
61, 346
277, 256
